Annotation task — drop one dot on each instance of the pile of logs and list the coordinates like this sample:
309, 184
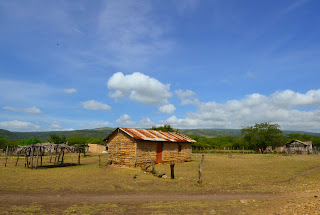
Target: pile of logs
33, 152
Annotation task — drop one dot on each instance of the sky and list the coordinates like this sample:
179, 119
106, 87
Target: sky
69, 65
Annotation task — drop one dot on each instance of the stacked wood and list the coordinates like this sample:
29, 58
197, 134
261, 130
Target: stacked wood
42, 149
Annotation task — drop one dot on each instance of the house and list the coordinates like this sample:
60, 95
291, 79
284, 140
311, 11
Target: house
297, 146
131, 147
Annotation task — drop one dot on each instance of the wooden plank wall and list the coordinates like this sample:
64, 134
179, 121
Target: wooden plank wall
122, 151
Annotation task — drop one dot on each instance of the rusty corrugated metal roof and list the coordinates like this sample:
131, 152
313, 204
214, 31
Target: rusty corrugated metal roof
152, 135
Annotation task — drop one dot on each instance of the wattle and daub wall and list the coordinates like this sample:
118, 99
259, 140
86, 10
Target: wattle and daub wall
125, 150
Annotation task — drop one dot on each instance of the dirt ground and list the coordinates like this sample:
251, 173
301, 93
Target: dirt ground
158, 203
245, 184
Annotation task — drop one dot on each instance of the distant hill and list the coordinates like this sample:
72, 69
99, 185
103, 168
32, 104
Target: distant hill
104, 132
43, 136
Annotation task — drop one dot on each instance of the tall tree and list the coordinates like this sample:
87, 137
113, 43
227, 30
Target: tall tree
29, 141
56, 139
262, 135
165, 128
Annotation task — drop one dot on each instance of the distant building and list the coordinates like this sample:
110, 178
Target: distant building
131, 147
297, 146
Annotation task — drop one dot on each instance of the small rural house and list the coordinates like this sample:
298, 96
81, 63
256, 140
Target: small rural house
131, 147
297, 146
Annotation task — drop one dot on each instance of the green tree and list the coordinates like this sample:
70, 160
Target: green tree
77, 140
96, 140
262, 135
29, 141
3, 142
56, 139
165, 128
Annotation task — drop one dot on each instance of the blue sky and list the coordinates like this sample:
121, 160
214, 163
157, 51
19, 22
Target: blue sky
191, 64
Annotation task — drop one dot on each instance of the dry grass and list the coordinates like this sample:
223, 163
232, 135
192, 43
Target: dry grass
242, 174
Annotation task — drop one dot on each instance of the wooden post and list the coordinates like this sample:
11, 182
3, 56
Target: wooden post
79, 156
55, 159
37, 157
41, 154
152, 163
25, 159
50, 155
31, 154
17, 159
99, 160
62, 159
172, 170
200, 170
5, 164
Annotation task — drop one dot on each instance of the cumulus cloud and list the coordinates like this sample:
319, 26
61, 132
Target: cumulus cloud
16, 125
131, 40
186, 97
95, 105
170, 108
139, 87
125, 120
285, 108
70, 90
31, 110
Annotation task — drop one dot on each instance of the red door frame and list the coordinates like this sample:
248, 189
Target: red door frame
159, 153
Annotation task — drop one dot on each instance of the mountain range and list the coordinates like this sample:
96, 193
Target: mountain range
104, 132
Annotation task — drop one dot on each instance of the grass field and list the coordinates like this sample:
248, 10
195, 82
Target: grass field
243, 184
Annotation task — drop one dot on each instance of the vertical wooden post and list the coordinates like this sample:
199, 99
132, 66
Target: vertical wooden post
62, 159
50, 155
25, 158
38, 148
41, 154
172, 170
99, 160
79, 156
5, 164
200, 170
31, 154
55, 159
152, 163
17, 158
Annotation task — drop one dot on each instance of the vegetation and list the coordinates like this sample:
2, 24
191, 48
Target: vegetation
262, 135
56, 139
29, 141
167, 128
246, 184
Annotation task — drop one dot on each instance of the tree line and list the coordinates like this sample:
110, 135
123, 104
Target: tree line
259, 136
54, 138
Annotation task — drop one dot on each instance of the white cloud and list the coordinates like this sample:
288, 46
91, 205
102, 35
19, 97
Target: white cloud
70, 90
186, 97
139, 87
170, 108
281, 107
251, 74
31, 110
145, 123
16, 125
125, 120
94, 105
130, 34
